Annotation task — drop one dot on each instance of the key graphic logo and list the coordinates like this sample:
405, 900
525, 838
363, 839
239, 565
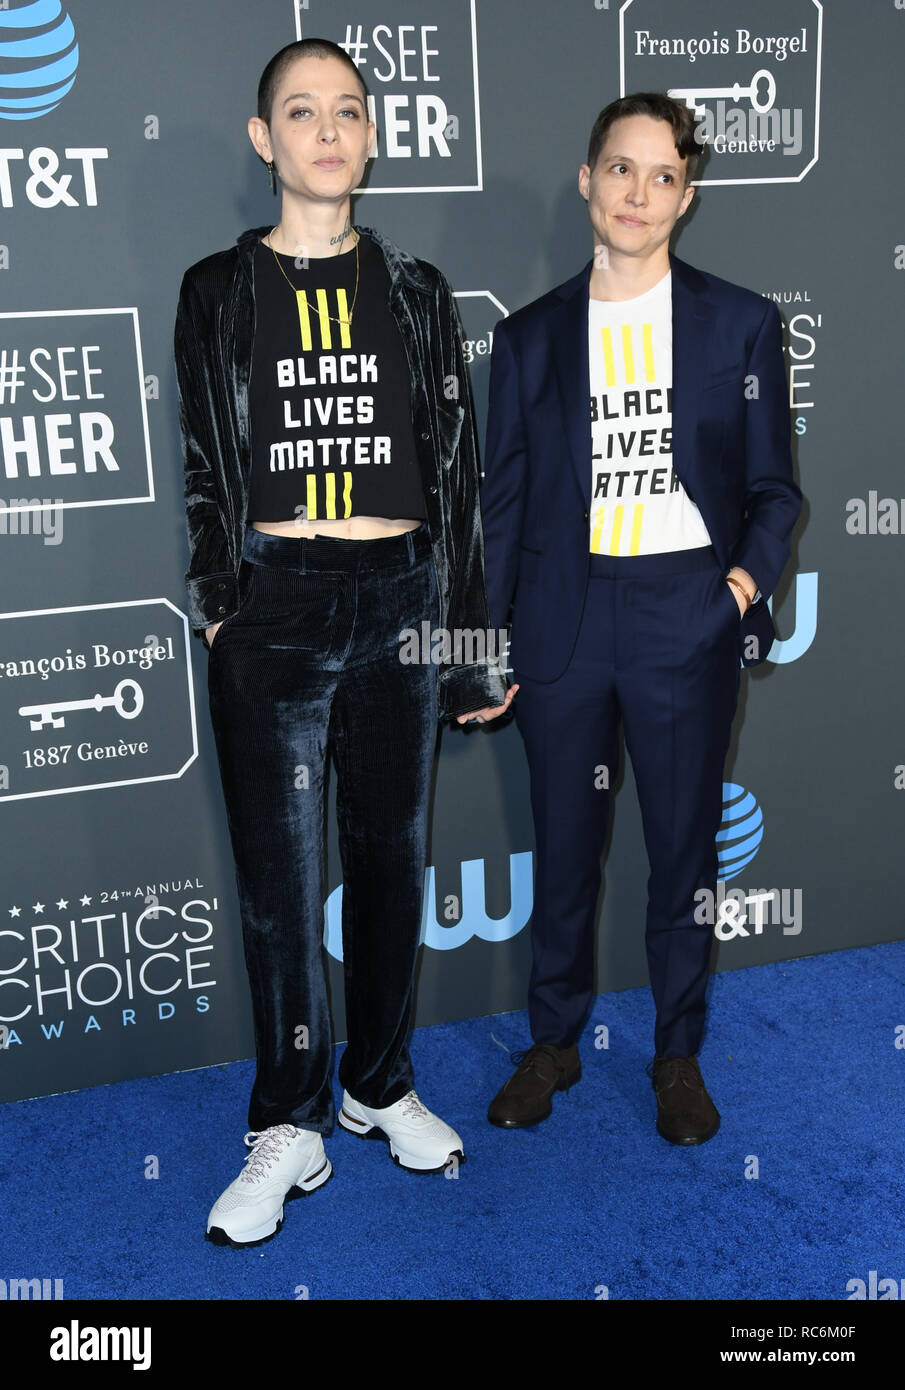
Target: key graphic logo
127, 699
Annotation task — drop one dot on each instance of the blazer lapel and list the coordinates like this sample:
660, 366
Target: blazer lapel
569, 331
691, 352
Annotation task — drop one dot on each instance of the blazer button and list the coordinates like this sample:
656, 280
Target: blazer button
221, 586
432, 489
585, 516
221, 609
425, 435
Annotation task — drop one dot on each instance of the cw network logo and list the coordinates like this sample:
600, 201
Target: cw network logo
797, 643
39, 58
464, 918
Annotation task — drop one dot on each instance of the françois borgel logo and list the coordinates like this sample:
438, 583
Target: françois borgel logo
419, 63
94, 696
749, 68
73, 416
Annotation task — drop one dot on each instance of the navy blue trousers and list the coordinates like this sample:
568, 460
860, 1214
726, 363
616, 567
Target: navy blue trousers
307, 669
658, 650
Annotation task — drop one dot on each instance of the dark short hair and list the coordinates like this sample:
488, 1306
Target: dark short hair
303, 48
661, 108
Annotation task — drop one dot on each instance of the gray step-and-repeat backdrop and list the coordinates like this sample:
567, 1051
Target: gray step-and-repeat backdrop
123, 159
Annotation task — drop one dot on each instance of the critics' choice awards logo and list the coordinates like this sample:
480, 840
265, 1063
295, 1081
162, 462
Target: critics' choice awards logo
111, 959
95, 696
39, 58
803, 325
73, 415
750, 69
419, 63
803, 331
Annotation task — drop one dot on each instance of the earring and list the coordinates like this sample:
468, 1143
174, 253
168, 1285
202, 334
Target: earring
273, 187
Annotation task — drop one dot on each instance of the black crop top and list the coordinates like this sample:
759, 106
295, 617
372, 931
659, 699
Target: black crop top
329, 402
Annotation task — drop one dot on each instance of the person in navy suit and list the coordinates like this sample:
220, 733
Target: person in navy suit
635, 544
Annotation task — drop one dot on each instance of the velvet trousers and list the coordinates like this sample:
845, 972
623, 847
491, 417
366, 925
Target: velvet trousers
308, 670
657, 651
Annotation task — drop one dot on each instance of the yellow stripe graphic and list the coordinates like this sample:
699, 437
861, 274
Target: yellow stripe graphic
304, 319
345, 336
627, 354
330, 499
347, 494
326, 339
311, 497
617, 530
597, 532
636, 528
608, 357
647, 337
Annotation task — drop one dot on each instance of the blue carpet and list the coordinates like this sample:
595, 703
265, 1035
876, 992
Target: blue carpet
800, 1058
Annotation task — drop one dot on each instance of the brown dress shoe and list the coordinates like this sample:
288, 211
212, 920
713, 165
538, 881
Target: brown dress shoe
526, 1097
685, 1112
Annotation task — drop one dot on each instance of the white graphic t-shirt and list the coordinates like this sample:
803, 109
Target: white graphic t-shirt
638, 505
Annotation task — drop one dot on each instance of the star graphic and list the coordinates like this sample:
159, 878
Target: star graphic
62, 902
15, 911
84, 900
38, 907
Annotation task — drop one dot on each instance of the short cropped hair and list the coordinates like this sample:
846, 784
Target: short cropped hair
661, 108
303, 48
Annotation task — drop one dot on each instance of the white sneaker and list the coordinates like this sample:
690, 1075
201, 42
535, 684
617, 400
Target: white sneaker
419, 1141
285, 1162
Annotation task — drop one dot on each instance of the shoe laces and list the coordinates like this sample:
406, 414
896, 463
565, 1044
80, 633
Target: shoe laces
412, 1106
529, 1060
266, 1146
677, 1069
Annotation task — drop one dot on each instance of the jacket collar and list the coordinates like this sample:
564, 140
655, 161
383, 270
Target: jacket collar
685, 274
401, 265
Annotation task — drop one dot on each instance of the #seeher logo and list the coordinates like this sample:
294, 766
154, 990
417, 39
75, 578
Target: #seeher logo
741, 831
39, 58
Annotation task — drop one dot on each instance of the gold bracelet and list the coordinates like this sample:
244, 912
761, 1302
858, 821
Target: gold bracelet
736, 585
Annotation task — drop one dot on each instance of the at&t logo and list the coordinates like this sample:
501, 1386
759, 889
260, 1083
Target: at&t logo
741, 831
39, 58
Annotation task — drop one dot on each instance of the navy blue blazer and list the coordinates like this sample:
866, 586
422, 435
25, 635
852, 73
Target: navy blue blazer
731, 451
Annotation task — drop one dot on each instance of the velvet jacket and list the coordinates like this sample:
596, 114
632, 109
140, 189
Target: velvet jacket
213, 339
